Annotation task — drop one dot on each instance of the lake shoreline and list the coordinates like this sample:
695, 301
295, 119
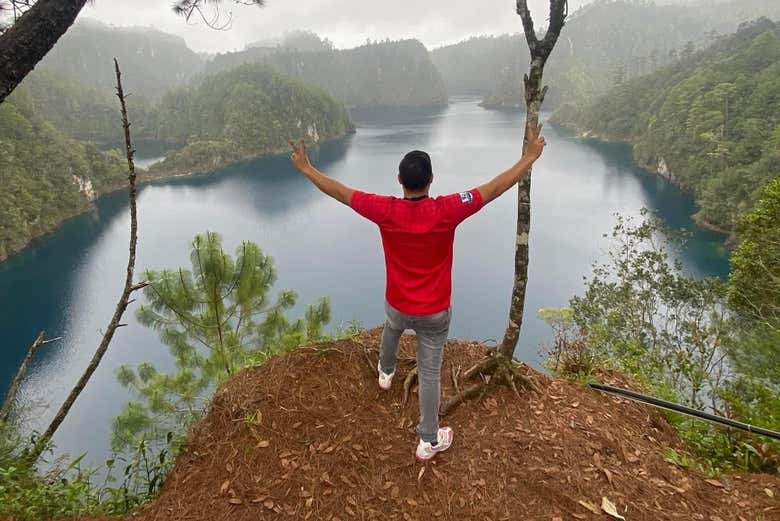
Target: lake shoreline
205, 169
152, 175
658, 170
148, 176
64, 284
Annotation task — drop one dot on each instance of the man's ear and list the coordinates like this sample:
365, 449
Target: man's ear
399, 180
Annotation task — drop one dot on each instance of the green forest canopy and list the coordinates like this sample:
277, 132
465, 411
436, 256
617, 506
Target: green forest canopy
244, 112
46, 176
604, 42
711, 120
388, 73
85, 113
70, 96
152, 61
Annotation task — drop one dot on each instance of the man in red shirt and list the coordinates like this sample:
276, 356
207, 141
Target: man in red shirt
417, 234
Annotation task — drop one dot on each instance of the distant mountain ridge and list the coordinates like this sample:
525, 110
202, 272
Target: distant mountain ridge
381, 74
603, 43
386, 73
152, 61
85, 113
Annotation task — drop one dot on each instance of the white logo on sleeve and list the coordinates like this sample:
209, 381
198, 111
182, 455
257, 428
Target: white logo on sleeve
466, 197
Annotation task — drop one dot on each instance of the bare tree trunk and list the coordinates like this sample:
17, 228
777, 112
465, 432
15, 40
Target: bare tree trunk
28, 40
534, 97
124, 299
497, 367
5, 411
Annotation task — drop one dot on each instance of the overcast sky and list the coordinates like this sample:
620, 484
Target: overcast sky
346, 22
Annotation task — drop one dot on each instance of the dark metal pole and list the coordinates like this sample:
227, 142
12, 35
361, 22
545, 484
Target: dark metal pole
670, 406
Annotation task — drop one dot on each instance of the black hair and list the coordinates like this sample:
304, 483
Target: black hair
415, 170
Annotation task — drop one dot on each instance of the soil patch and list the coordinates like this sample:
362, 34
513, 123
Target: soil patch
309, 435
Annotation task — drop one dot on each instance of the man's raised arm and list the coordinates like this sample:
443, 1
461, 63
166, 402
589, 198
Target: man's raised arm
329, 186
506, 180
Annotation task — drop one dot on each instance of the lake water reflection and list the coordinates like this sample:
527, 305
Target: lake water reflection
68, 283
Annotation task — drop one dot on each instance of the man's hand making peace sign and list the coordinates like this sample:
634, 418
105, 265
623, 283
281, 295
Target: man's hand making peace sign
331, 187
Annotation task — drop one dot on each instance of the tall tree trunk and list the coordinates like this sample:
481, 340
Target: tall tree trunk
124, 299
534, 97
28, 40
498, 362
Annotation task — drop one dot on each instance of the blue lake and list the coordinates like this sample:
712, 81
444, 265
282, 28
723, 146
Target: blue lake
68, 283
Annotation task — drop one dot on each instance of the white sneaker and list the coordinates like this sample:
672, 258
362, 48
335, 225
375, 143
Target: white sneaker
426, 451
385, 380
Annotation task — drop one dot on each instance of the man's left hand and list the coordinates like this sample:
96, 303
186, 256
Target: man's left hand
299, 156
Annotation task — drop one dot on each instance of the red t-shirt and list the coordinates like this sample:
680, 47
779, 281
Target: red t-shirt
417, 237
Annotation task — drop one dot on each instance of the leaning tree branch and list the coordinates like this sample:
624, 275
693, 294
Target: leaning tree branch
28, 40
40, 340
471, 392
127, 291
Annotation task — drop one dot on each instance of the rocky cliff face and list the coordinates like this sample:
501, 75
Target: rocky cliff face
46, 176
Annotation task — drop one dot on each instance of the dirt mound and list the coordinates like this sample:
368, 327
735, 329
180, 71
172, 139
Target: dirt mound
310, 436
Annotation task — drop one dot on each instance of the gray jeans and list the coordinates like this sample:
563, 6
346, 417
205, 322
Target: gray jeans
431, 333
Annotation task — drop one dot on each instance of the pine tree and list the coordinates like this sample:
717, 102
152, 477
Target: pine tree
216, 319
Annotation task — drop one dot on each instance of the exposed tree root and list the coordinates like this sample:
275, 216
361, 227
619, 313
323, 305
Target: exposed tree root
494, 370
367, 352
455, 374
471, 392
371, 356
486, 366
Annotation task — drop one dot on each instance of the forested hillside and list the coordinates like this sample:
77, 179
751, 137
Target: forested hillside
471, 67
46, 176
152, 61
604, 43
245, 112
83, 112
299, 40
710, 122
376, 74
49, 172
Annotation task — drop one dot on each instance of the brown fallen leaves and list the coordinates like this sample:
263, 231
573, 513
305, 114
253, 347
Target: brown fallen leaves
610, 508
325, 444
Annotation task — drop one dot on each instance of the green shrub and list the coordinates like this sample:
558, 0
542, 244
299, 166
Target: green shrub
677, 338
